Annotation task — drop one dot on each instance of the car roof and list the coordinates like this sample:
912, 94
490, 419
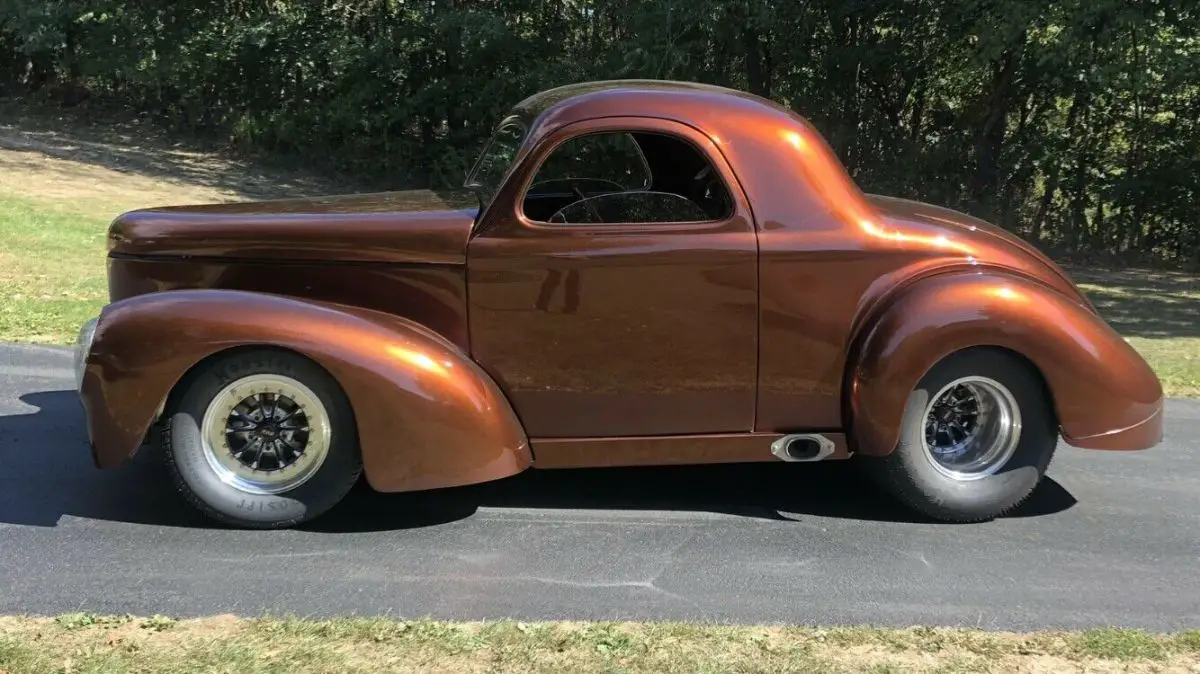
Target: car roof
650, 98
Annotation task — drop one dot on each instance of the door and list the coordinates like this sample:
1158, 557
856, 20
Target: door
614, 290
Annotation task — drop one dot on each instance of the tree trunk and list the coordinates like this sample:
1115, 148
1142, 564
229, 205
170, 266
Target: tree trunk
989, 142
1039, 220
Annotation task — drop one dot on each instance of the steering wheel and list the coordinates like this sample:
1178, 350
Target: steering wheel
591, 206
600, 184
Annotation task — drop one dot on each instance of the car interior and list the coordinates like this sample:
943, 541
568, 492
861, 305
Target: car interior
627, 178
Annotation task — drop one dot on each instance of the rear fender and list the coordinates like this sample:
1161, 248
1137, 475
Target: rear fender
1103, 393
427, 415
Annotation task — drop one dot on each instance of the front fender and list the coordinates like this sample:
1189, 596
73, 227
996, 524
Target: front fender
427, 415
1104, 394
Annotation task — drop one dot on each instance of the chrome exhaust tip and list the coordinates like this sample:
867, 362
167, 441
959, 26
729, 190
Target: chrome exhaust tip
802, 447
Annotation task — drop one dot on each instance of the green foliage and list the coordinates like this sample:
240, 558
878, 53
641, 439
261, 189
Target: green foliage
1116, 644
1075, 124
78, 621
1189, 641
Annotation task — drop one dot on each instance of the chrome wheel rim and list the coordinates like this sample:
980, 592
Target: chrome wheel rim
972, 428
265, 434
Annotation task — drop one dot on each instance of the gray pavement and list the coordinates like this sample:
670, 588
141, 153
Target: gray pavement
1109, 539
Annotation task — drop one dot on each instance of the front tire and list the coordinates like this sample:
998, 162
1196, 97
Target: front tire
977, 436
262, 439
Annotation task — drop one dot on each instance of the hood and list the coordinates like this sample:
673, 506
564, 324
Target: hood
992, 243
414, 226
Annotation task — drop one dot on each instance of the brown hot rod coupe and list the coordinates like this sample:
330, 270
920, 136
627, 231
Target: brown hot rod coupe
636, 273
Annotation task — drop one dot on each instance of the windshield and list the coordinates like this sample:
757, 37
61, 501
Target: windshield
495, 160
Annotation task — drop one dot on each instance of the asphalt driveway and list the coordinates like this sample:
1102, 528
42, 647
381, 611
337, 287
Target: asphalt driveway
1109, 539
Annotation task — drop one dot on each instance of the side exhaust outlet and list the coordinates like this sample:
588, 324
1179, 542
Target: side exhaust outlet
802, 447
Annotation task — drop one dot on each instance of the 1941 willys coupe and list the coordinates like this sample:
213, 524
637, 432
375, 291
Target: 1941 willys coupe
636, 272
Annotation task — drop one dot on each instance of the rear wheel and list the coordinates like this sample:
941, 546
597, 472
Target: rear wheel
262, 439
977, 436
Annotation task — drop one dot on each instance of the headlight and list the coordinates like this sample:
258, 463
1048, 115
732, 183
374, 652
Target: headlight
83, 345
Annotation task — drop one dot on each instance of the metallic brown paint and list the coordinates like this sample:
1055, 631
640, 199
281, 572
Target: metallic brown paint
416, 226
427, 416
431, 295
814, 307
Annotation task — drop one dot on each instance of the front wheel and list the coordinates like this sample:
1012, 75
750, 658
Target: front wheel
977, 436
262, 439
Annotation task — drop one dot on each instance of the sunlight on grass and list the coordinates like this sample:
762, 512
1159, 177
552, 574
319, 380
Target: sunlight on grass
52, 270
93, 643
1176, 361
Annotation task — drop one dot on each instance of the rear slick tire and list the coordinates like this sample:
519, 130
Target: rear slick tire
299, 458
977, 436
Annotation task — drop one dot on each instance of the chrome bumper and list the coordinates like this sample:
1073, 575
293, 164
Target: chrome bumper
83, 347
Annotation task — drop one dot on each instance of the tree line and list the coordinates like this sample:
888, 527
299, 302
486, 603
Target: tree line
1074, 123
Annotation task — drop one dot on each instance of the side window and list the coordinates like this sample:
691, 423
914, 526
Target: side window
627, 178
594, 163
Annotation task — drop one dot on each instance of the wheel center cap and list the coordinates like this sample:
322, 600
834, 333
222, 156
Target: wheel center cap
267, 432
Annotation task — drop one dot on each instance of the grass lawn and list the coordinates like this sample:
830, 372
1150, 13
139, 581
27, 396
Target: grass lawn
51, 270
116, 644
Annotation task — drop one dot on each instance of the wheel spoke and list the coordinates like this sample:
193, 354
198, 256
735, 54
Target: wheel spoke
273, 450
962, 432
258, 447
944, 432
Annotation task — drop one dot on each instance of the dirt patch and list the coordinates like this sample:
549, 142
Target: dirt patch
128, 163
66, 181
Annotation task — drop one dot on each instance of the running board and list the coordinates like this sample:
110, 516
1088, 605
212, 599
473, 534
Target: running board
667, 450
